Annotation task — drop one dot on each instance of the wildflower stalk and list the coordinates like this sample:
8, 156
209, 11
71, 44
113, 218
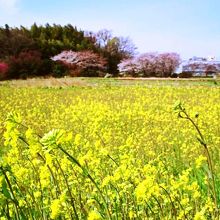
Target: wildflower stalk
39, 207
85, 171
27, 202
159, 205
16, 204
69, 191
183, 114
173, 210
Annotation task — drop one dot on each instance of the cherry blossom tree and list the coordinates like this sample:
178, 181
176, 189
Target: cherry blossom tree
83, 63
151, 64
210, 69
129, 66
166, 63
147, 63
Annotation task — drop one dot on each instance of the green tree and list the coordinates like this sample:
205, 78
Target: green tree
114, 49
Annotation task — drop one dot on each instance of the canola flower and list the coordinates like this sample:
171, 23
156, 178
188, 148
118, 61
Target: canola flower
93, 215
55, 209
146, 162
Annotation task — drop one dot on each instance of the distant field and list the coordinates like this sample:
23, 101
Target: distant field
80, 81
88, 148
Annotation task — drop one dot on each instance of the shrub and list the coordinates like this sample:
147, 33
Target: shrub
59, 69
185, 75
25, 64
175, 75
3, 70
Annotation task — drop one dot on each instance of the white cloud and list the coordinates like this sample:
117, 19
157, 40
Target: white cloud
8, 6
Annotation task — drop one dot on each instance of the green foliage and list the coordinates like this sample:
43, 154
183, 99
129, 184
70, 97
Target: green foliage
46, 40
59, 69
114, 49
50, 40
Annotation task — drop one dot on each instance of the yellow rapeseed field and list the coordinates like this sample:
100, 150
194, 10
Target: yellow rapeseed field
110, 152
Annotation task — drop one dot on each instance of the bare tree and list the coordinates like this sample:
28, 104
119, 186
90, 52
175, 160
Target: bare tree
103, 37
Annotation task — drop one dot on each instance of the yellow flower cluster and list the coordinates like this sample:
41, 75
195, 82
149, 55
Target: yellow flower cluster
108, 153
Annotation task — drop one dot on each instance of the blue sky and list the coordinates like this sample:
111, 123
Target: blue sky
188, 27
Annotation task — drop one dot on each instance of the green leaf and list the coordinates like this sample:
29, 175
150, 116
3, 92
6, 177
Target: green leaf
5, 191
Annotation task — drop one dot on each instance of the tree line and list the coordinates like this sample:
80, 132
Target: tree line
56, 50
